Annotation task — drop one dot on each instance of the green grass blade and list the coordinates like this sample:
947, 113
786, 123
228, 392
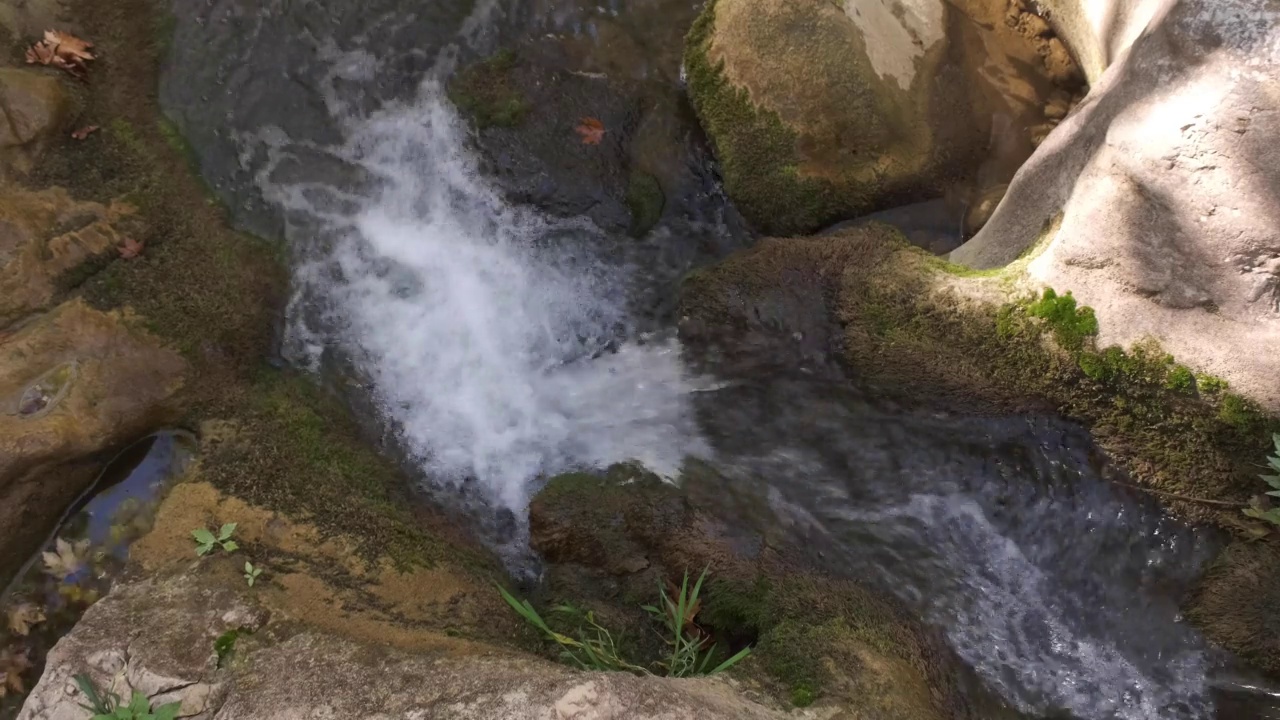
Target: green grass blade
737, 658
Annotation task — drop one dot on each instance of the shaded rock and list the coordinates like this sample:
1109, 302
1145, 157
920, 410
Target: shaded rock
821, 112
33, 108
612, 541
48, 242
75, 384
1165, 178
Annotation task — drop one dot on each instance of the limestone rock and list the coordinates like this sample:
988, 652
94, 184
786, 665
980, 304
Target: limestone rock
75, 384
1164, 178
34, 107
825, 111
45, 238
157, 636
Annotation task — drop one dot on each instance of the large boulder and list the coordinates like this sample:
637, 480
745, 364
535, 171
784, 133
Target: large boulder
824, 111
75, 385
1165, 181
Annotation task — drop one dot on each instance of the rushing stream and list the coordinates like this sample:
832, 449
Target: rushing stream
499, 344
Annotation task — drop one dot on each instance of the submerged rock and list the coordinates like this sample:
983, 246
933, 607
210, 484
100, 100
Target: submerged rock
75, 384
821, 112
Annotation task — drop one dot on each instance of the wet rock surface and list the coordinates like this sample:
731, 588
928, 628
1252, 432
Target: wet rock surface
611, 541
75, 385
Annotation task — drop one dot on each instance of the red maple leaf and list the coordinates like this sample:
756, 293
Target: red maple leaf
591, 130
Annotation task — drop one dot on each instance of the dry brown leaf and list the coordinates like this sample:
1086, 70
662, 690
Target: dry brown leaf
590, 130
23, 616
61, 50
84, 132
12, 664
130, 248
68, 46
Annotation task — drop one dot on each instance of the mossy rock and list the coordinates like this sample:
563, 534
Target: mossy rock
904, 323
645, 201
487, 93
806, 126
1237, 603
612, 539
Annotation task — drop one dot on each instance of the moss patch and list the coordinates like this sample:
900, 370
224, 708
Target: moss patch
910, 328
756, 151
645, 200
487, 92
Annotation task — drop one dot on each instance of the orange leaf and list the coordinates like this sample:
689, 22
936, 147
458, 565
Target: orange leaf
84, 132
68, 45
591, 130
61, 50
130, 248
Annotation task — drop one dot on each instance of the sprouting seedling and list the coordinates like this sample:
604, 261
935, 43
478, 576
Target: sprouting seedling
1262, 512
205, 540
251, 573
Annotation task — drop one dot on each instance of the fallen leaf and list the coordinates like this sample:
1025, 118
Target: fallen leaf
591, 130
12, 664
22, 617
61, 50
130, 248
84, 132
66, 559
68, 45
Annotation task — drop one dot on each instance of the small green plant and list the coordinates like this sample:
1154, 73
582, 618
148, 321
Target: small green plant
251, 573
109, 707
1271, 515
206, 541
593, 649
689, 652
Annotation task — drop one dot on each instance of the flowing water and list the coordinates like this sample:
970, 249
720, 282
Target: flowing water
499, 344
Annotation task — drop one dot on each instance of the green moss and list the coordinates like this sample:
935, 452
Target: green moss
1211, 384
757, 152
1181, 379
487, 92
802, 696
1070, 324
224, 645
645, 200
907, 330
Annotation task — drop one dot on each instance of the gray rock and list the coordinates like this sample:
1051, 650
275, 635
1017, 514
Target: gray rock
156, 636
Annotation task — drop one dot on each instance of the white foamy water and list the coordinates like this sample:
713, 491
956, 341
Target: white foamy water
495, 340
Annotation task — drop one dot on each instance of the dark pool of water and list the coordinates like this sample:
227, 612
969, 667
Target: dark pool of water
83, 556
